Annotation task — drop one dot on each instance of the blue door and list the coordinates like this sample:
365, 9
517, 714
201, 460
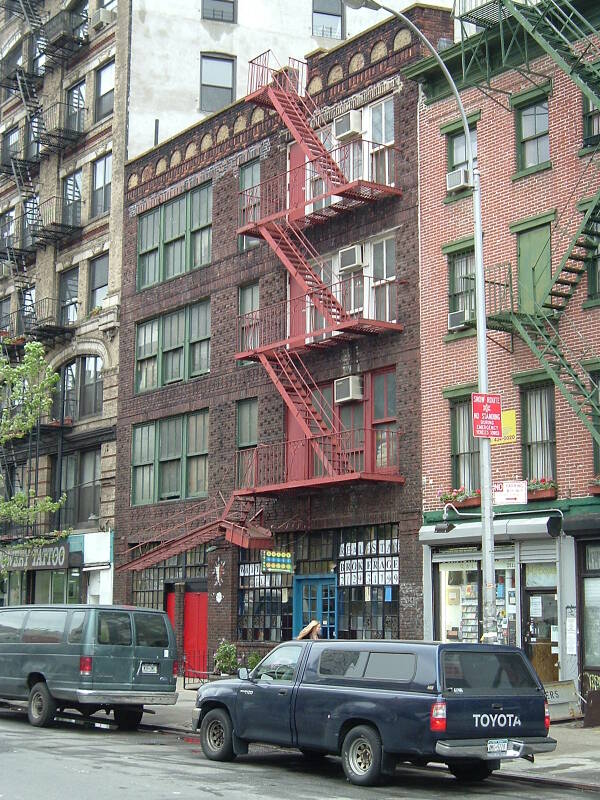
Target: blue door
315, 598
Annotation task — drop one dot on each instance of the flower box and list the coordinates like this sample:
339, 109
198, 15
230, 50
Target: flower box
594, 489
541, 494
468, 502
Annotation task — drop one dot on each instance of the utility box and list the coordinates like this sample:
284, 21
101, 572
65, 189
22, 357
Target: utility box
563, 700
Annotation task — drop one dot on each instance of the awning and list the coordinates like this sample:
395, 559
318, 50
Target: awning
93, 567
582, 525
506, 529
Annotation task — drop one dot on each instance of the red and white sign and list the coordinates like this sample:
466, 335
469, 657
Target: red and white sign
510, 493
487, 415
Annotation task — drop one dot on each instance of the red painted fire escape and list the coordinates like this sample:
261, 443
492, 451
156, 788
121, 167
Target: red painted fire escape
341, 180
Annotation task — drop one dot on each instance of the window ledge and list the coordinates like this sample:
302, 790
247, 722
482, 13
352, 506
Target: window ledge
523, 173
455, 196
592, 302
454, 336
587, 151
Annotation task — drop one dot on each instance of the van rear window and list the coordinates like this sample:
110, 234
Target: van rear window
45, 626
11, 623
484, 670
150, 630
114, 627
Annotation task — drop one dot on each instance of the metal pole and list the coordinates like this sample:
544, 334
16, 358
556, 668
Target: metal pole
485, 455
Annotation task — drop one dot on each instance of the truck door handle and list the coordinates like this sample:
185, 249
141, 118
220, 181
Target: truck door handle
282, 691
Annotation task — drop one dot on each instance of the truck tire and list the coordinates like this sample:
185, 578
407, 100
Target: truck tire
474, 772
41, 707
216, 735
361, 756
128, 718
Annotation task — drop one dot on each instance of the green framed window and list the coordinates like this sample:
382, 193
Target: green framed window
461, 281
175, 237
457, 149
595, 381
591, 123
247, 440
464, 446
250, 200
533, 140
538, 432
173, 348
593, 267
169, 459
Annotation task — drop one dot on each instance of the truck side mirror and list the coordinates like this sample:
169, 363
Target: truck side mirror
243, 674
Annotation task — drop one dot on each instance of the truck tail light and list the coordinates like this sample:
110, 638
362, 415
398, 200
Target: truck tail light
546, 715
85, 665
437, 717
175, 669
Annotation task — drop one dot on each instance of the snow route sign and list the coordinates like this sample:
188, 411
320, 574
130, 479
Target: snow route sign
487, 415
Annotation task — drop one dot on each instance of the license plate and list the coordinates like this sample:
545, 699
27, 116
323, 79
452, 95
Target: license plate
150, 669
497, 746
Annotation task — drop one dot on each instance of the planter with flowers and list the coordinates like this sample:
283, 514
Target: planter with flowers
461, 498
542, 489
594, 487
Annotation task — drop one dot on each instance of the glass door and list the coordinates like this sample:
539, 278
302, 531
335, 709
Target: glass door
540, 632
315, 598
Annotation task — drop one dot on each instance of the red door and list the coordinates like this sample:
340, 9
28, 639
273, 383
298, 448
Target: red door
171, 608
195, 624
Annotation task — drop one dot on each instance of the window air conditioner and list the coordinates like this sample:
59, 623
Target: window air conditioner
347, 125
348, 389
101, 18
351, 257
457, 320
458, 179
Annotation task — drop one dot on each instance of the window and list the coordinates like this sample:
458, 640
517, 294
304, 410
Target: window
250, 180
98, 281
590, 570
464, 447
532, 132
105, 91
175, 237
71, 215
175, 450
220, 10
384, 419
328, 19
5, 313
92, 386
181, 339
149, 584
593, 264
384, 280
81, 386
101, 180
457, 150
249, 322
68, 287
80, 481
11, 623
75, 112
109, 4
10, 63
538, 434
279, 666
342, 663
382, 131
461, 281
32, 141
591, 123
150, 630
114, 628
216, 82
45, 627
80, 12
75, 634
10, 146
391, 666
7, 228
481, 671
247, 440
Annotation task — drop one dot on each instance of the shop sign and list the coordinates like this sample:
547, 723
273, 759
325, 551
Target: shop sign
276, 561
48, 556
510, 493
487, 415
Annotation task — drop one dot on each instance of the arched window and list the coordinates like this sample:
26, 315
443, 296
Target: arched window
80, 388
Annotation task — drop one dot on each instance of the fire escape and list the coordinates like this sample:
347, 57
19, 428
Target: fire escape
563, 33
322, 316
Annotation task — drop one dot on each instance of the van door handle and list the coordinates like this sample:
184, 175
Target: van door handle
282, 691
496, 706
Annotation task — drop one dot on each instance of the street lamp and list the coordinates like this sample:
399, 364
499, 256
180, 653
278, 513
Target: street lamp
485, 455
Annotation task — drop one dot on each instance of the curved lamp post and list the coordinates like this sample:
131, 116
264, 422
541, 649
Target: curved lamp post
485, 456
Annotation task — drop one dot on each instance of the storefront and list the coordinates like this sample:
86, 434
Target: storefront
535, 589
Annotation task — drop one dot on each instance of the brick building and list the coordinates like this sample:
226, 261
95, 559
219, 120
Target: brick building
536, 134
269, 399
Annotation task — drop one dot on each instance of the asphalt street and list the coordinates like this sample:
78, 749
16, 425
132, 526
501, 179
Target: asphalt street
92, 763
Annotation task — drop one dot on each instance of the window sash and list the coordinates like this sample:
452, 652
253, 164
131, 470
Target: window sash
464, 448
247, 423
534, 146
216, 86
98, 281
461, 295
539, 433
219, 10
457, 151
101, 190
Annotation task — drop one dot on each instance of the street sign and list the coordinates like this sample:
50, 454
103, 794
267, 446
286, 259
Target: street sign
509, 428
508, 493
487, 415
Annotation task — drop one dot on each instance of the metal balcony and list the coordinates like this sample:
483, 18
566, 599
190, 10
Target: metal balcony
60, 126
24, 150
44, 320
301, 196
16, 243
371, 305
58, 221
66, 33
360, 454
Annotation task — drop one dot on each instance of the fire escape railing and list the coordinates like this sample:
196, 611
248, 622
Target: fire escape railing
265, 70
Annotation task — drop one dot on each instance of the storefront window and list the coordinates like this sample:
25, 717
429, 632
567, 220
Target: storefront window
591, 607
540, 575
3, 592
16, 591
42, 586
58, 586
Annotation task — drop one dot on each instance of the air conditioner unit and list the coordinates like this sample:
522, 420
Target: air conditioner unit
348, 389
458, 179
101, 18
351, 257
347, 125
457, 320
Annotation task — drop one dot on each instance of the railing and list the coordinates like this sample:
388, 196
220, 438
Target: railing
63, 118
362, 297
499, 290
360, 160
16, 235
57, 212
67, 25
265, 69
44, 313
369, 450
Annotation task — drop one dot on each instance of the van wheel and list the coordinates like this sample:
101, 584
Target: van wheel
216, 735
361, 756
41, 707
471, 773
128, 719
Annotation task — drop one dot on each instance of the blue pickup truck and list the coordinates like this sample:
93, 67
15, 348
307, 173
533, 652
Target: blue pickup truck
377, 703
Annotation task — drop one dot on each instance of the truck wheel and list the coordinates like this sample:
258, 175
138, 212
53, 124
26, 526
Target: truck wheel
361, 756
216, 735
41, 707
471, 773
128, 718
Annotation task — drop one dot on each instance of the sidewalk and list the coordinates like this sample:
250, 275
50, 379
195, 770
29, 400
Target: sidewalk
576, 760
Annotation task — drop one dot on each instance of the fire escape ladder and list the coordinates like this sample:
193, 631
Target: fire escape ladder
32, 103
556, 25
288, 245
34, 21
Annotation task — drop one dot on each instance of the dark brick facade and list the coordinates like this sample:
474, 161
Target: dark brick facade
228, 381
